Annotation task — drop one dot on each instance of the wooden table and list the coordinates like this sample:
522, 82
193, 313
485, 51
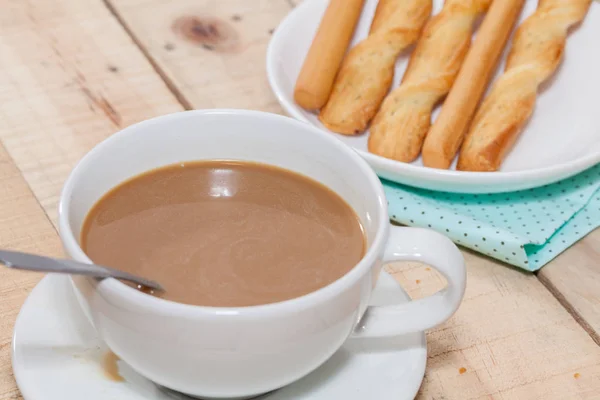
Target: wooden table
72, 72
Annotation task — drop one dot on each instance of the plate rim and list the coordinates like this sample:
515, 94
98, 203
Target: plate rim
467, 179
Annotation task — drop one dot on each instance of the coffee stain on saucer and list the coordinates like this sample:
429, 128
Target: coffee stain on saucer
211, 33
111, 367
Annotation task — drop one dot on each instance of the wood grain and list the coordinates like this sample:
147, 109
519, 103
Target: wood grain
510, 335
213, 52
24, 227
70, 76
574, 278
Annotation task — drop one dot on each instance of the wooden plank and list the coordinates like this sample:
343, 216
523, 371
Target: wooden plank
511, 335
574, 278
70, 76
213, 52
24, 227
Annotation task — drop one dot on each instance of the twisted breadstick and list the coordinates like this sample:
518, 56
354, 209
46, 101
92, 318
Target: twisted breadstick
400, 126
367, 71
536, 52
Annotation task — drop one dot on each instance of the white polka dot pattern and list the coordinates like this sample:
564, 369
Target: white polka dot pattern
526, 229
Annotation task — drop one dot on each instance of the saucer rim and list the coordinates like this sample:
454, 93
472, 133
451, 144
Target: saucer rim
419, 361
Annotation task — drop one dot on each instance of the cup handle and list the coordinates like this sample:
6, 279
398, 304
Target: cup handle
429, 247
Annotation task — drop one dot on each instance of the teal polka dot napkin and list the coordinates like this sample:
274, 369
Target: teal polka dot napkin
526, 228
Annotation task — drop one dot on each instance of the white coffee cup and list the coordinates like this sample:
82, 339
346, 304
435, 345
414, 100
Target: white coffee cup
243, 352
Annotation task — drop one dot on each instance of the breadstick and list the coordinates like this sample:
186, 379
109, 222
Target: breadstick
537, 50
326, 53
400, 126
367, 71
447, 132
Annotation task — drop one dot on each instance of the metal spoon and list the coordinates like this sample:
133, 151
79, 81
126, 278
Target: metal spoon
32, 262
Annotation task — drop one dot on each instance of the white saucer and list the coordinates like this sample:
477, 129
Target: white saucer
560, 140
57, 355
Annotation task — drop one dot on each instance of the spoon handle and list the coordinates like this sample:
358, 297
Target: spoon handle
32, 262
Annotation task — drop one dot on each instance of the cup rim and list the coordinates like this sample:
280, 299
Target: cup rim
114, 288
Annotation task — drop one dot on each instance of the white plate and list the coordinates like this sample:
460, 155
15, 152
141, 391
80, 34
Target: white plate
561, 139
57, 356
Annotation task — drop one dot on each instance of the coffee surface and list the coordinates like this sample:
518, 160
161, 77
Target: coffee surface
225, 233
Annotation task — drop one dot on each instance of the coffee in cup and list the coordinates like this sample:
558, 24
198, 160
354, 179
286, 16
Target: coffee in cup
225, 233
